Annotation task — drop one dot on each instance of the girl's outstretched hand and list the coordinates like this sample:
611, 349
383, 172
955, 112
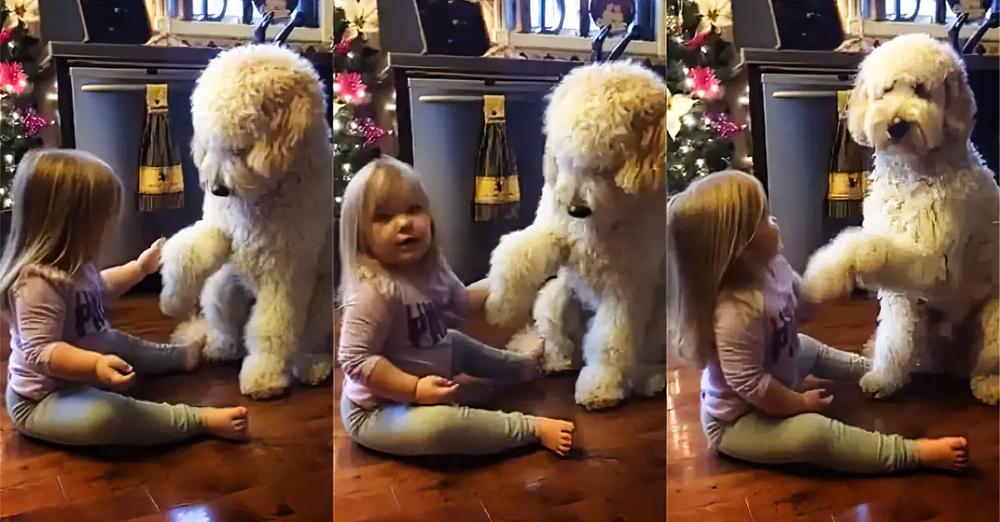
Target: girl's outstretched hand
149, 259
434, 389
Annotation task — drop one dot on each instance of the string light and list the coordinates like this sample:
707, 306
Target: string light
689, 120
700, 162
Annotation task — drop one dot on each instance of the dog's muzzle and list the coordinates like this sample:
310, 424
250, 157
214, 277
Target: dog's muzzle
578, 211
898, 130
220, 190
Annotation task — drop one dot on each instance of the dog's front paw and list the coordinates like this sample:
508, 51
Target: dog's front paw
312, 368
881, 384
986, 388
600, 386
177, 302
828, 276
555, 360
221, 347
503, 310
263, 376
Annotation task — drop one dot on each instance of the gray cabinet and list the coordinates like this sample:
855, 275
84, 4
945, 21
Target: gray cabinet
447, 116
109, 108
800, 116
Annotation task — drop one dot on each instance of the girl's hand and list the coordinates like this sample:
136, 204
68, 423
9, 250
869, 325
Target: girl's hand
149, 260
114, 373
434, 389
816, 400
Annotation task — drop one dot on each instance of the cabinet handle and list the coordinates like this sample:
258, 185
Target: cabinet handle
450, 99
113, 87
805, 94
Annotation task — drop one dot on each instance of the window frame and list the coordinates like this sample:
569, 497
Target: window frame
577, 44
236, 31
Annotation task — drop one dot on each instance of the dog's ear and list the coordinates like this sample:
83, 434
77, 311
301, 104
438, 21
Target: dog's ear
857, 107
288, 121
645, 167
960, 106
549, 167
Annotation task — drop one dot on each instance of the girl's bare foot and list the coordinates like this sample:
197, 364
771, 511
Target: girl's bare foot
192, 355
555, 434
227, 423
947, 453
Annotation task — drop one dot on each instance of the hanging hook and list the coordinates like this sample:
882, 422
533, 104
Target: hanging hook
991, 20
260, 32
293, 21
597, 48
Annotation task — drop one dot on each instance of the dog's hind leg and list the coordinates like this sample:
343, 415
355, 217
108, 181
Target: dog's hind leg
226, 304
899, 329
558, 317
985, 381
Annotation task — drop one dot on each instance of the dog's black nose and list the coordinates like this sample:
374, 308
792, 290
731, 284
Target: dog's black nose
898, 130
220, 190
579, 211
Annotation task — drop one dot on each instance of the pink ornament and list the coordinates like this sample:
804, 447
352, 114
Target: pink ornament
12, 78
5, 35
699, 38
724, 127
344, 46
32, 121
350, 87
369, 130
704, 83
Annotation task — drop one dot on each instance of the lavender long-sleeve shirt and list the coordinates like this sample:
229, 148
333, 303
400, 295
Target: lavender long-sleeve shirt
47, 310
409, 328
756, 336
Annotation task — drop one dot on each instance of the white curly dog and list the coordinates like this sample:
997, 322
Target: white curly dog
600, 228
260, 257
929, 241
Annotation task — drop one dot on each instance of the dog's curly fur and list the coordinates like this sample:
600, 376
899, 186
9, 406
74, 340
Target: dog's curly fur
929, 241
605, 151
260, 258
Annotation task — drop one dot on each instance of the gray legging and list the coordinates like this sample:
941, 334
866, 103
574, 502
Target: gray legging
812, 438
84, 416
407, 429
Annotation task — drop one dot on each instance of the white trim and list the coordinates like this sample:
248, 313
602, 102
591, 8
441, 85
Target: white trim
889, 29
237, 31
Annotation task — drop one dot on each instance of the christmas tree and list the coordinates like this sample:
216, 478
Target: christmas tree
698, 66
20, 123
355, 131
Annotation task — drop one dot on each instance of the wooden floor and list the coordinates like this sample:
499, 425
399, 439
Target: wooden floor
283, 474
704, 487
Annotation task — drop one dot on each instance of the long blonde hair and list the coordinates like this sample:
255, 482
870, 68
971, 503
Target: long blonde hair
709, 226
382, 178
64, 202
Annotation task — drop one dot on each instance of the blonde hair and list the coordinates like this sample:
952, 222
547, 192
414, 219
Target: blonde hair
64, 201
380, 180
709, 226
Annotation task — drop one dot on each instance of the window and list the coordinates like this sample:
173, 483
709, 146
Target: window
569, 39
919, 11
224, 19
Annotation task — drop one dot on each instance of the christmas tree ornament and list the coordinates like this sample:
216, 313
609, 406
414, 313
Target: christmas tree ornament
704, 83
497, 192
161, 179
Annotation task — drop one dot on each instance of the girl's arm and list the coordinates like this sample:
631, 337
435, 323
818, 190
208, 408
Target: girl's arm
40, 312
362, 338
120, 278
741, 344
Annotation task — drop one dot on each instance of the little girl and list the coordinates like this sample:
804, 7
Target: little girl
396, 350
67, 364
734, 300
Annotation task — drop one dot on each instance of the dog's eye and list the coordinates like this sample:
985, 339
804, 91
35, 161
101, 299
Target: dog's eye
921, 90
